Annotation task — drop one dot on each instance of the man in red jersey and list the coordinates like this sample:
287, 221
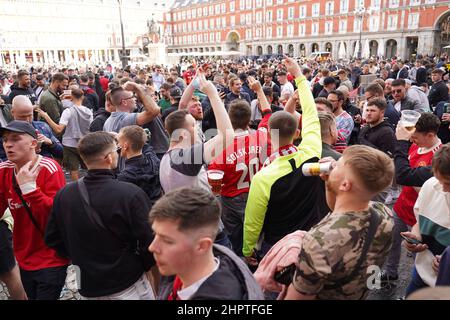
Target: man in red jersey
421, 152
28, 183
189, 74
240, 162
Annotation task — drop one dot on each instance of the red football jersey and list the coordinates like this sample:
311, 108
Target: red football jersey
29, 247
241, 161
404, 207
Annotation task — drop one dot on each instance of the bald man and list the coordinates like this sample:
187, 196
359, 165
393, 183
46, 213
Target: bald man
22, 109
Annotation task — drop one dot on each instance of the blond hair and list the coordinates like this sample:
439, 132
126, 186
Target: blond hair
373, 168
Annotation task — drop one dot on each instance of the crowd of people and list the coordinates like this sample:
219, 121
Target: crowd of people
246, 180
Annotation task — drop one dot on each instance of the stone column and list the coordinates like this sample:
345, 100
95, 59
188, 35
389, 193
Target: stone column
75, 55
116, 55
86, 55
296, 49
34, 56
401, 46
56, 56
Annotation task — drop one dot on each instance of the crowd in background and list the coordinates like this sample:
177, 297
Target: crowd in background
141, 218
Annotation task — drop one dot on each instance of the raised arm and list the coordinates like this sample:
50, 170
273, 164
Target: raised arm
151, 109
311, 145
57, 128
225, 133
187, 95
292, 104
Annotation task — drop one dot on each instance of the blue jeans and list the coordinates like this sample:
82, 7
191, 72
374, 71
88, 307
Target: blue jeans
416, 283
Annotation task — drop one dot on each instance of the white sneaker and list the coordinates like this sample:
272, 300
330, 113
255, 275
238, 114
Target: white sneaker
392, 196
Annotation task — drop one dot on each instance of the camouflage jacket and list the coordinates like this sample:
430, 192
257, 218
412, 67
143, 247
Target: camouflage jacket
331, 250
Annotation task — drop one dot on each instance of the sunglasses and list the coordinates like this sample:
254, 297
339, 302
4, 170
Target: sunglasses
397, 91
132, 97
118, 150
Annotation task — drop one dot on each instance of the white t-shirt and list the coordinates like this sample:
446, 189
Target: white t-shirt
287, 87
188, 292
432, 212
72, 134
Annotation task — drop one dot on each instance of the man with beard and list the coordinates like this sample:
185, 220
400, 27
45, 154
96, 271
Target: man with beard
23, 87
344, 121
336, 253
50, 99
106, 237
377, 133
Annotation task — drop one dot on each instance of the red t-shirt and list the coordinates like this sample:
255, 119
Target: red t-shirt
241, 161
404, 207
29, 248
188, 76
104, 83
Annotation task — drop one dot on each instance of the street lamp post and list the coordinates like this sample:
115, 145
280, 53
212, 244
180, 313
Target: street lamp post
359, 12
123, 56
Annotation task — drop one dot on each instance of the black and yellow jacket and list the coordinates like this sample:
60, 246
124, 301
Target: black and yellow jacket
281, 199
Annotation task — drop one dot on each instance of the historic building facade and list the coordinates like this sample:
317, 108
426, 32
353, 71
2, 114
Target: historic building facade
71, 31
343, 27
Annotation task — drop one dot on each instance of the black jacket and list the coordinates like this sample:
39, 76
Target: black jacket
110, 259
380, 137
403, 73
421, 76
232, 280
438, 93
91, 98
143, 171
17, 91
100, 117
404, 174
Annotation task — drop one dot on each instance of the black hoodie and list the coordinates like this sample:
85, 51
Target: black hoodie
381, 137
18, 91
100, 117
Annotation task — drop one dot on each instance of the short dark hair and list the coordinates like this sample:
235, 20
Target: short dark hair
22, 73
268, 74
379, 103
282, 73
398, 82
40, 77
268, 91
441, 160
175, 120
84, 78
136, 137
338, 93
193, 208
240, 113
438, 70
59, 77
94, 144
428, 122
77, 93
166, 86
117, 95
375, 88
322, 100
285, 123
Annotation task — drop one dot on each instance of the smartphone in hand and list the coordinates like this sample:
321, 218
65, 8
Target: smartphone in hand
411, 240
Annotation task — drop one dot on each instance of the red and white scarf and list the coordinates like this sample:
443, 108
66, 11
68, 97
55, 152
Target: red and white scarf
281, 152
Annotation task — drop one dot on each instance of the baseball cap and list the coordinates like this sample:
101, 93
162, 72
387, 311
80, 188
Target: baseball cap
175, 92
2, 77
19, 127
